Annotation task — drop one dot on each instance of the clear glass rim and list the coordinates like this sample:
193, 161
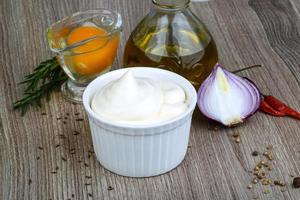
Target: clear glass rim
172, 6
117, 27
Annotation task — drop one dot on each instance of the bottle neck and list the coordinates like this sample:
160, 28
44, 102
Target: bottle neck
171, 4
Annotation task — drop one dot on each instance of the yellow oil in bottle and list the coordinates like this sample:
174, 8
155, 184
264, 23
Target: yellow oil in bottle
186, 53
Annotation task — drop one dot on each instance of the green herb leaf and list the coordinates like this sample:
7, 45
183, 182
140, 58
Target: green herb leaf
46, 77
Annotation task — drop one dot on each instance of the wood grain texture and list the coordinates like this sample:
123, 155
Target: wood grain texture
36, 162
286, 42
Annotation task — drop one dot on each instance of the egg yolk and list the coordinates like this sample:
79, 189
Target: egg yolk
94, 56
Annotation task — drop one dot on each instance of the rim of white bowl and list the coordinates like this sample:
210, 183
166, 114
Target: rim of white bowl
187, 86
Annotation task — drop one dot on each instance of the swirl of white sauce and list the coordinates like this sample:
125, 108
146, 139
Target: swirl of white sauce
138, 100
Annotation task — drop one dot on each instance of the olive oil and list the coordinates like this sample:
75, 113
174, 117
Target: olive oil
171, 37
193, 65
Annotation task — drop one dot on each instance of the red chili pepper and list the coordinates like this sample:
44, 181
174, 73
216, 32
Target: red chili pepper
265, 107
281, 107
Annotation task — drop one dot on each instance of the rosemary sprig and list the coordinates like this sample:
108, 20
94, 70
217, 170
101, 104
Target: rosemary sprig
47, 77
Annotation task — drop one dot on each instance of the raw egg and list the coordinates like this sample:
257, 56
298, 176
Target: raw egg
94, 56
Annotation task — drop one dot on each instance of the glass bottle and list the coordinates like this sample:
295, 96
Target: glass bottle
172, 37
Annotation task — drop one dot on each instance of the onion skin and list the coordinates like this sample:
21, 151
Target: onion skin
260, 94
227, 98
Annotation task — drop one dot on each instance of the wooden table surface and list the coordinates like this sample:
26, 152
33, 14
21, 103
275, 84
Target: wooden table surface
33, 166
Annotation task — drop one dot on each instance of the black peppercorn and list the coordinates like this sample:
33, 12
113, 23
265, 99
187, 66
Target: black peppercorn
254, 153
296, 182
110, 188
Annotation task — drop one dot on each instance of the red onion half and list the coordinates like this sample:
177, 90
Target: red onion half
228, 98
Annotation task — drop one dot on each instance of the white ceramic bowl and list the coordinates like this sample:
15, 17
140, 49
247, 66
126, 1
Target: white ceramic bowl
140, 150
